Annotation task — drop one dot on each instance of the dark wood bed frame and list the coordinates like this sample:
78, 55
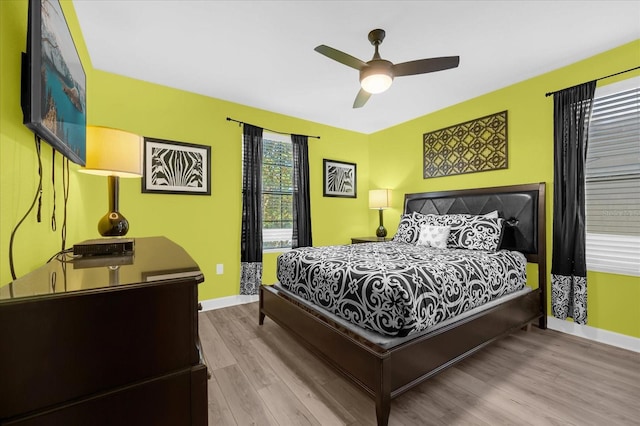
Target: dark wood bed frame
385, 373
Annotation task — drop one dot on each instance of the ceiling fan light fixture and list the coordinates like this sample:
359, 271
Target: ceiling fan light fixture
377, 75
376, 83
376, 78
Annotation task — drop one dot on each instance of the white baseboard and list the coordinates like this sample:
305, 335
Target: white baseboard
584, 331
225, 302
597, 334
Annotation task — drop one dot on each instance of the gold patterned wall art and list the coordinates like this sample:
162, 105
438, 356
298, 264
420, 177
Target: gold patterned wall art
474, 146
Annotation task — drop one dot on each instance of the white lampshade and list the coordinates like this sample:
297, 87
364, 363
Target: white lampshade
376, 83
377, 76
112, 152
379, 198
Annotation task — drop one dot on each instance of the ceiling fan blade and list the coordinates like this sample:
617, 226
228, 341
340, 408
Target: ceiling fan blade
341, 57
423, 66
361, 98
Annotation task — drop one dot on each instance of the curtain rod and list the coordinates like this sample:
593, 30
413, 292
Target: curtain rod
274, 131
597, 79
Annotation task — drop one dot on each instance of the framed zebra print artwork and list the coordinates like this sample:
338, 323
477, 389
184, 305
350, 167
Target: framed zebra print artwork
339, 179
176, 167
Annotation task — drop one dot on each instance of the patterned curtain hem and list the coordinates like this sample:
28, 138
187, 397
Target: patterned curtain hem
569, 297
250, 277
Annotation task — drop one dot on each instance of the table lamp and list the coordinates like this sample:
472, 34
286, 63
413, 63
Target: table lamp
115, 154
380, 199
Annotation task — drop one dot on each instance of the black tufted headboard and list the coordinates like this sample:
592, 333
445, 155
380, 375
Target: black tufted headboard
523, 207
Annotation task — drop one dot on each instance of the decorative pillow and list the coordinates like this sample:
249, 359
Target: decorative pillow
434, 236
409, 228
470, 231
494, 214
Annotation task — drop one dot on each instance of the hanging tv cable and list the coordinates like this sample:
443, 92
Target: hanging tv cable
33, 203
53, 184
65, 194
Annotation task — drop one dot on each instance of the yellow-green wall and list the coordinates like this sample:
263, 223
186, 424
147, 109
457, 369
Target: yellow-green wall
396, 155
34, 242
209, 226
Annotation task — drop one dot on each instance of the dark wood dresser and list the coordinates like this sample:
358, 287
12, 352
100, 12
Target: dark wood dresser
108, 340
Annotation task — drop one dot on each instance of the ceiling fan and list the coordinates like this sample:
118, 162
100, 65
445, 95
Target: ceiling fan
377, 75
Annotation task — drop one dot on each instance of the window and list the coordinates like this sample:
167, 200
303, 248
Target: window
613, 180
277, 191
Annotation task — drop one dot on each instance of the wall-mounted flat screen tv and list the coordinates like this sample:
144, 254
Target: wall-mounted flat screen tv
53, 82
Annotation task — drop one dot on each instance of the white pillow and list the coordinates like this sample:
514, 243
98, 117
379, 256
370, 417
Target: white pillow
434, 236
492, 215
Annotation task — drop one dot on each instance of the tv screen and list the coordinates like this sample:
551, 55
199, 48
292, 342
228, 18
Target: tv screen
54, 82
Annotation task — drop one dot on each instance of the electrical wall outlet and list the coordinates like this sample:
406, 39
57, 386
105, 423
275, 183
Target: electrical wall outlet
219, 269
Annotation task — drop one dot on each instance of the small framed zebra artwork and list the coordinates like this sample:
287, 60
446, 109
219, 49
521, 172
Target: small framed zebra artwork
339, 179
171, 167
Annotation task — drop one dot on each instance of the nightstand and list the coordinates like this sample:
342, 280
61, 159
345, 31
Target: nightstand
356, 240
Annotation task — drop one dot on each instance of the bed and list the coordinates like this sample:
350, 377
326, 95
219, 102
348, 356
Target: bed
388, 364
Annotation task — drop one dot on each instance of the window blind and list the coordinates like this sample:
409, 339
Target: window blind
277, 191
613, 183
614, 136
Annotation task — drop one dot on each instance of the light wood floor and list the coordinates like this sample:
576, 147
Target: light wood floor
262, 376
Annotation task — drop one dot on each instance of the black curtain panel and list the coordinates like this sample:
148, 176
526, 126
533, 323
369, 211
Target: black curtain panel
301, 196
251, 241
572, 113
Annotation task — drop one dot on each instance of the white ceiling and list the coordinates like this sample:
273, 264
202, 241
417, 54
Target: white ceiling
260, 53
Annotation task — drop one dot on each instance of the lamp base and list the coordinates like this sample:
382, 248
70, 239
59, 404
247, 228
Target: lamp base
113, 224
381, 232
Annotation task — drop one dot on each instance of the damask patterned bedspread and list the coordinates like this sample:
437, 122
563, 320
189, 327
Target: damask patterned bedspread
397, 288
